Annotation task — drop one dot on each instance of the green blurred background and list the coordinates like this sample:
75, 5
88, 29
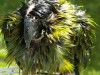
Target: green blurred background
92, 8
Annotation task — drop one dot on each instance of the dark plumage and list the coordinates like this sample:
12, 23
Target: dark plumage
46, 35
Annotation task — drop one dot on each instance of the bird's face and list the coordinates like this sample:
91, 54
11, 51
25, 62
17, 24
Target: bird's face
35, 21
42, 9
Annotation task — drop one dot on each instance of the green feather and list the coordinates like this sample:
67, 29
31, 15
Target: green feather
71, 33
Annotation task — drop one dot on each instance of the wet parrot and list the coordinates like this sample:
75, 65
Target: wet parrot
54, 37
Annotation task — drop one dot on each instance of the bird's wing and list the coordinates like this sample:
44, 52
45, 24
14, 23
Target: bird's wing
12, 29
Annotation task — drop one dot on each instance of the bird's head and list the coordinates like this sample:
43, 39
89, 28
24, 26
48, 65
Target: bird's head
40, 8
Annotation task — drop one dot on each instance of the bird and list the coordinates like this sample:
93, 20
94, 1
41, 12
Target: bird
51, 36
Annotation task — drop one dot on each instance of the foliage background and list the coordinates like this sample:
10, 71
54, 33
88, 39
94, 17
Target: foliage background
92, 7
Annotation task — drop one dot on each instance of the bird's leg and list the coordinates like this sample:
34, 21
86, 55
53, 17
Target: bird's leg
24, 72
76, 64
33, 71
